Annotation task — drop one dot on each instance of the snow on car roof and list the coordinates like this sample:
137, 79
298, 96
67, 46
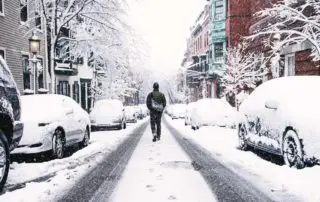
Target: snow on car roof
44, 105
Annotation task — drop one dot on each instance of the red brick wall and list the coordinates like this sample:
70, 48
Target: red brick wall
304, 64
238, 20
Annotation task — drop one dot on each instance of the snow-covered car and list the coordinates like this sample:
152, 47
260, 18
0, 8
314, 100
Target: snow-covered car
108, 113
131, 114
144, 110
169, 110
178, 111
213, 112
138, 112
281, 117
187, 117
51, 123
11, 127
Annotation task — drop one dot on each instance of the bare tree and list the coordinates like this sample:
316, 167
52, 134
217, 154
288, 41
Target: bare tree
64, 17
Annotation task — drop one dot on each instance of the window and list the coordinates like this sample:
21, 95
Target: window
219, 10
218, 52
23, 10
1, 7
64, 88
75, 90
40, 73
38, 20
2, 53
26, 72
289, 65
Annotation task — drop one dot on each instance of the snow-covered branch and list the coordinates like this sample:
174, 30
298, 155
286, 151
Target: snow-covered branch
294, 21
243, 70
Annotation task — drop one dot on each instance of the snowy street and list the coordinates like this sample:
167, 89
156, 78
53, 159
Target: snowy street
186, 165
161, 171
264, 171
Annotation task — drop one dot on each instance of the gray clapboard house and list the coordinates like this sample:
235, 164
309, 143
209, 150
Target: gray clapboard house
15, 17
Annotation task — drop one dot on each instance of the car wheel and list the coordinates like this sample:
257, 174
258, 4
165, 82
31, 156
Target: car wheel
58, 144
242, 133
292, 150
4, 159
86, 139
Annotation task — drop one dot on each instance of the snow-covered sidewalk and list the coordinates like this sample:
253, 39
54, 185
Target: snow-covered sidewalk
161, 171
48, 180
280, 181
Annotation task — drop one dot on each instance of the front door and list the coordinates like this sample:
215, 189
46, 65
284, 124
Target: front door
85, 94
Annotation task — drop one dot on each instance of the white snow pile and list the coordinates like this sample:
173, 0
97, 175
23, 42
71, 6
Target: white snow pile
279, 181
298, 107
46, 181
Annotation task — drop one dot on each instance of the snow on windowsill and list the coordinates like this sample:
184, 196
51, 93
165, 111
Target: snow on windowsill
43, 90
28, 91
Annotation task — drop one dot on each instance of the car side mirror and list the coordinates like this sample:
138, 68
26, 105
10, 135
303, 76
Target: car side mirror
69, 111
271, 104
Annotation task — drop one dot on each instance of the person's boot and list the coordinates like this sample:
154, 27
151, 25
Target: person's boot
158, 137
154, 137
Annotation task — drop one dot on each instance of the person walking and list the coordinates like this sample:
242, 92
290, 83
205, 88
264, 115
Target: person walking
156, 102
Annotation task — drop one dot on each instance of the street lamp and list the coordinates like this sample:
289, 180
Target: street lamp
34, 48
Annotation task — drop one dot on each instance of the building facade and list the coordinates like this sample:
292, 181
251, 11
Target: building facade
294, 59
15, 23
196, 59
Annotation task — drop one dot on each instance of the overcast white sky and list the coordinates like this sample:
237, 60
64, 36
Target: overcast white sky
164, 25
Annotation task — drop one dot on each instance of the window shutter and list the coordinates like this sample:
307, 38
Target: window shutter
58, 89
73, 92
68, 93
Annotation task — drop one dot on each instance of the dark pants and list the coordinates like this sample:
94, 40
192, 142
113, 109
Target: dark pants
155, 119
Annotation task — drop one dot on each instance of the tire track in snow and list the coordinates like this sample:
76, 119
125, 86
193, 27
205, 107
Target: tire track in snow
100, 182
224, 183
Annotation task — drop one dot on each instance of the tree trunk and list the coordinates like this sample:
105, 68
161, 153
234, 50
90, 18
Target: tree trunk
53, 79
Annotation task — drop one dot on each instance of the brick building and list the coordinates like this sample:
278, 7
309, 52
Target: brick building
196, 59
238, 21
294, 59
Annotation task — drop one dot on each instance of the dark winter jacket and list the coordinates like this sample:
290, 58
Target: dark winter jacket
157, 97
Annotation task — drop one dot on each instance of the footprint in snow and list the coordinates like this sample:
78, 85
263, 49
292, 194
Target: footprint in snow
151, 188
151, 170
160, 177
150, 159
172, 197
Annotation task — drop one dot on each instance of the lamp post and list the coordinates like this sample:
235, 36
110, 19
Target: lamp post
34, 48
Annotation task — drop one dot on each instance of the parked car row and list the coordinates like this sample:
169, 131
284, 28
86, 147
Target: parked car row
49, 123
281, 117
